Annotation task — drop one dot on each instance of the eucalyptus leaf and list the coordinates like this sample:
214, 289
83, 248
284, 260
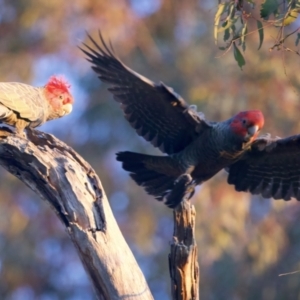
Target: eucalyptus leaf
260, 33
267, 8
221, 9
238, 56
243, 37
297, 39
226, 35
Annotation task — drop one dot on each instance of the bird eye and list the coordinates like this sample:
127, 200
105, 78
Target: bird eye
244, 121
61, 97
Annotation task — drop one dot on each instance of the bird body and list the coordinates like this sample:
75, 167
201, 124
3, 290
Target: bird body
218, 146
196, 149
23, 106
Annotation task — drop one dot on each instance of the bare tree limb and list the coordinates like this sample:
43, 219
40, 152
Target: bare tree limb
183, 259
61, 177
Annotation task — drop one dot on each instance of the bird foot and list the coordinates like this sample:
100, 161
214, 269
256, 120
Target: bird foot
184, 177
21, 133
183, 189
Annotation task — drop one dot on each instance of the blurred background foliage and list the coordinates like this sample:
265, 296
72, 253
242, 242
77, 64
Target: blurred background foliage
244, 241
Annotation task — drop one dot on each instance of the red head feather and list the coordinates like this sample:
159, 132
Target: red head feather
244, 120
57, 83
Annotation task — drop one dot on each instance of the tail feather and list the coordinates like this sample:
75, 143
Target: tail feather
147, 176
145, 170
161, 189
160, 176
130, 160
160, 181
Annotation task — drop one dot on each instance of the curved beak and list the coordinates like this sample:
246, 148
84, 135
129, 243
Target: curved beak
67, 108
253, 130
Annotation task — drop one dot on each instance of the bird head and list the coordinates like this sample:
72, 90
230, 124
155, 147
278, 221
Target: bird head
58, 94
247, 124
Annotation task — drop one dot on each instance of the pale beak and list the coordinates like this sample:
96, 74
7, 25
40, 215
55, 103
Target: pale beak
253, 130
67, 108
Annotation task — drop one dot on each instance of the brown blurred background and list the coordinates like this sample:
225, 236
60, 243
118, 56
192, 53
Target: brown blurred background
244, 242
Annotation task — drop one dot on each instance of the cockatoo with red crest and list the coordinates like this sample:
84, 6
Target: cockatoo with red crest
196, 149
24, 106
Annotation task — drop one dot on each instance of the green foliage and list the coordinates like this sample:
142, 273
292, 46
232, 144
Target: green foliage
221, 9
243, 36
268, 8
233, 18
297, 39
260, 30
238, 56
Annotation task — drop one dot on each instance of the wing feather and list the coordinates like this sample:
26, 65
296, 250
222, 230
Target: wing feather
22, 99
155, 111
270, 168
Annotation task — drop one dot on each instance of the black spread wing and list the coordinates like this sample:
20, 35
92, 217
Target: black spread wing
155, 111
271, 168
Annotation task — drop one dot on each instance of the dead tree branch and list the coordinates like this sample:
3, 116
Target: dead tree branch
61, 177
183, 259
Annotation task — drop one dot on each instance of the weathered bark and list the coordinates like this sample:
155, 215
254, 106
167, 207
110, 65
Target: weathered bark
183, 263
60, 176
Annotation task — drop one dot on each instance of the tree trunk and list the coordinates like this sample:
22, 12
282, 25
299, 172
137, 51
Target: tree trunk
60, 176
183, 263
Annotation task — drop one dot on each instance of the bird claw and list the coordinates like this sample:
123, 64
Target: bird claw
184, 177
21, 133
264, 136
184, 188
266, 142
